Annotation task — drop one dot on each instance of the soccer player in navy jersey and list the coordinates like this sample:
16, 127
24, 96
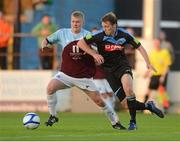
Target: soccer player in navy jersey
110, 42
77, 69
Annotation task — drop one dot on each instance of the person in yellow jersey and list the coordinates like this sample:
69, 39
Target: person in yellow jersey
160, 58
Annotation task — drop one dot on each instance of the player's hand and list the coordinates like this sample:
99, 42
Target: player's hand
98, 58
44, 44
42, 48
150, 67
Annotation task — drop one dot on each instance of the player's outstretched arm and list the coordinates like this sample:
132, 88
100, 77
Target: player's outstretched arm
85, 47
146, 58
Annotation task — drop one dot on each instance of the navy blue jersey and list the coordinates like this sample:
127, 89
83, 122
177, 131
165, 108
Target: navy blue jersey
112, 47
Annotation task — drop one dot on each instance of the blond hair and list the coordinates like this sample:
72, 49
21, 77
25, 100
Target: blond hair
77, 13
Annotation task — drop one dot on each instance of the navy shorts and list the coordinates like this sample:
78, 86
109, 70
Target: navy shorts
154, 82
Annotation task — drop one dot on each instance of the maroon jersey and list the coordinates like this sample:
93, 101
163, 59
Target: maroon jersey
76, 63
100, 73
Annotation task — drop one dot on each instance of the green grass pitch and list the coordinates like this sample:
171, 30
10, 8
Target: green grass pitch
90, 127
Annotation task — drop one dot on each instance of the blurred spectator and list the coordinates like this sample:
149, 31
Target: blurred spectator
5, 36
42, 30
165, 44
39, 4
130, 52
94, 29
161, 60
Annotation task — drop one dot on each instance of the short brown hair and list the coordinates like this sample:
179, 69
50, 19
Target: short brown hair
111, 17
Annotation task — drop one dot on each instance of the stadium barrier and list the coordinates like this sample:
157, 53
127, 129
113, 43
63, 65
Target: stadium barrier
23, 90
26, 91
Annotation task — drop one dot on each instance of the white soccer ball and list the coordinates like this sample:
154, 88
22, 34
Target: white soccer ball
31, 120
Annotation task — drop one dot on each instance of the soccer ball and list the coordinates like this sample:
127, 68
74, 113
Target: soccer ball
31, 120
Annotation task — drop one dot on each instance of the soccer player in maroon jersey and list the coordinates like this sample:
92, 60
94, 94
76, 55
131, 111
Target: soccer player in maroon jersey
77, 68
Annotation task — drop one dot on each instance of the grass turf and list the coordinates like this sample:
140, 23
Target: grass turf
90, 127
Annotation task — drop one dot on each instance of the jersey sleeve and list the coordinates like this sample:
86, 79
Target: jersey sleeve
132, 40
54, 38
91, 39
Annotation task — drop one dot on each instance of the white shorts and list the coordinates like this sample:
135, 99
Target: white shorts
83, 83
103, 86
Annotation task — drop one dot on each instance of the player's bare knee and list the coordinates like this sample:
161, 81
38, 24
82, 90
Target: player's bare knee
50, 90
110, 94
104, 95
100, 102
